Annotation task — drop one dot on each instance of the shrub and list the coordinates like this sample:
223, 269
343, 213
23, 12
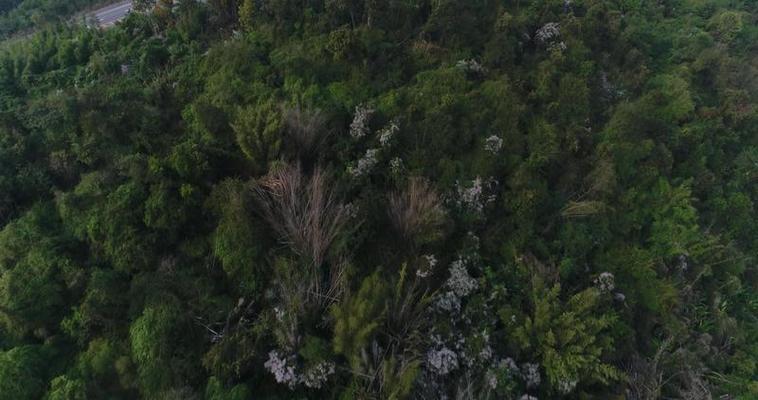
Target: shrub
416, 213
303, 210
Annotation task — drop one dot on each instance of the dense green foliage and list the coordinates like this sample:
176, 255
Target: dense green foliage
360, 199
18, 16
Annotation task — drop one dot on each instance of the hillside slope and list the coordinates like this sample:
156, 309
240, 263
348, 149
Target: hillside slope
358, 199
19, 16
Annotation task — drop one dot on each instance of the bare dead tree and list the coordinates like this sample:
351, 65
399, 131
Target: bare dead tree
306, 215
645, 377
302, 210
695, 386
668, 368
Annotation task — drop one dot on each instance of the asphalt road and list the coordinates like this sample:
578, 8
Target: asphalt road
113, 13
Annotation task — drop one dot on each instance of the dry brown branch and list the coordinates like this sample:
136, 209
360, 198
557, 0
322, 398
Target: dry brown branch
303, 210
416, 213
578, 209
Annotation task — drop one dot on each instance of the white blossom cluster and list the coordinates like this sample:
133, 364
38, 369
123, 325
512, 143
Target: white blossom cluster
396, 166
548, 35
510, 365
283, 373
283, 369
531, 374
493, 144
427, 269
316, 376
478, 355
683, 264
471, 66
507, 366
486, 353
279, 313
442, 361
460, 282
359, 127
567, 386
490, 378
605, 282
388, 133
548, 32
365, 164
448, 302
351, 210
557, 46
453, 354
527, 397
473, 197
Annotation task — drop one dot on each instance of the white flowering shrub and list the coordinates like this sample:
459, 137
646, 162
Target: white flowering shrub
361, 118
567, 386
317, 375
284, 371
491, 379
427, 266
365, 164
282, 368
531, 374
396, 166
683, 264
279, 313
431, 260
548, 32
359, 128
351, 210
465, 359
460, 282
448, 302
493, 144
388, 133
485, 354
459, 285
509, 365
549, 35
605, 282
442, 361
474, 196
471, 66
557, 46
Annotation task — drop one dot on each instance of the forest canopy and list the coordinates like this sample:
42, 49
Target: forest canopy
361, 199
19, 17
